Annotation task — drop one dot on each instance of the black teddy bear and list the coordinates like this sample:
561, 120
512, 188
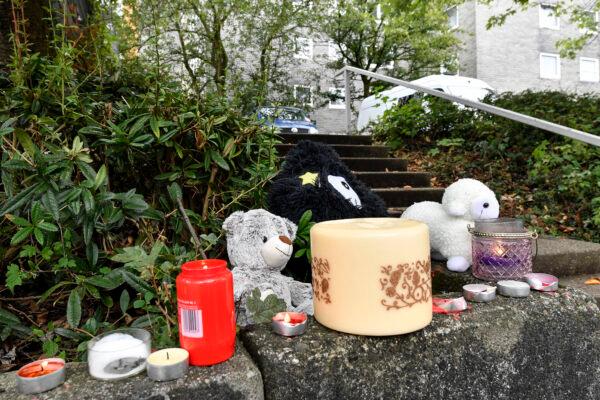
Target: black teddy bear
313, 177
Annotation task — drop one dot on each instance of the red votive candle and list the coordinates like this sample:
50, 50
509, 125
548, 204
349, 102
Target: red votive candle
41, 376
206, 311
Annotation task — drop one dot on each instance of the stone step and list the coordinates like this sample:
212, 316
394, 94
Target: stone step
359, 164
566, 257
394, 179
578, 282
400, 197
237, 378
329, 139
345, 150
544, 347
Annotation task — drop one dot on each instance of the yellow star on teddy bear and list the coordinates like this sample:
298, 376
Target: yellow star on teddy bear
309, 178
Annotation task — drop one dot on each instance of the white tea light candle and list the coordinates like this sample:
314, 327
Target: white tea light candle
167, 364
118, 354
479, 293
513, 288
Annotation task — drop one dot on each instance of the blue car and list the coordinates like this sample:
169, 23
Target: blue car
287, 120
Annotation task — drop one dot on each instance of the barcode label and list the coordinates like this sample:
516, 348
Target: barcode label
191, 322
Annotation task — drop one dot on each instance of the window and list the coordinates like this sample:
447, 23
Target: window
338, 98
591, 17
303, 95
548, 17
549, 66
304, 48
453, 17
589, 70
333, 51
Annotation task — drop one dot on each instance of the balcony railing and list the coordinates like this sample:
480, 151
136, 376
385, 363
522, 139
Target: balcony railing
515, 116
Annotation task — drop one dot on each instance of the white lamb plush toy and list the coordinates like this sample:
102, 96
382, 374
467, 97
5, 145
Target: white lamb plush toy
463, 202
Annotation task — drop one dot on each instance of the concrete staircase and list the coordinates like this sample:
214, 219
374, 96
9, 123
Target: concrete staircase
372, 164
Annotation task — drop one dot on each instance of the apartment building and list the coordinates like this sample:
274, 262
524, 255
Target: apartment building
521, 54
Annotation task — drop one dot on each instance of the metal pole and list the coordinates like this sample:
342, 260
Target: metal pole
348, 100
515, 116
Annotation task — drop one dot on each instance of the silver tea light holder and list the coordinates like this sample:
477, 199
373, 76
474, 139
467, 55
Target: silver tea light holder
542, 282
289, 323
41, 376
479, 293
167, 364
513, 288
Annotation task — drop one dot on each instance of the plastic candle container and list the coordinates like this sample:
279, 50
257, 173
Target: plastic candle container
206, 311
118, 354
371, 276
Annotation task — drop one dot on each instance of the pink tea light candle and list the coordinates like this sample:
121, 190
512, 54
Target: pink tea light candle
542, 282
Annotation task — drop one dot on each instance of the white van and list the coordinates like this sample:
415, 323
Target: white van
373, 107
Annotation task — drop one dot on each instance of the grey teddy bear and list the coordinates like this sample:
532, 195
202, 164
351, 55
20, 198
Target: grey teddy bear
259, 245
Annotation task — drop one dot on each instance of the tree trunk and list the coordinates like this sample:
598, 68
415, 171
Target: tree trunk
218, 56
366, 81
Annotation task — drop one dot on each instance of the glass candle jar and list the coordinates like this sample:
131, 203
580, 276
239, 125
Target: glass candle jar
118, 354
502, 249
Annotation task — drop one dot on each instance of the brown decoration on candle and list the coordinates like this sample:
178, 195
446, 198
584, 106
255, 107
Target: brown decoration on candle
406, 284
320, 279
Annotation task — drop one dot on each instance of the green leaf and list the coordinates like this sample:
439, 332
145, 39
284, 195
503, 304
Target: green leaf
49, 201
8, 318
39, 235
22, 222
124, 301
100, 177
14, 277
175, 192
305, 218
26, 142
69, 334
52, 290
88, 200
20, 199
74, 308
142, 322
48, 227
216, 157
136, 282
50, 348
154, 126
21, 235
91, 252
262, 311
139, 303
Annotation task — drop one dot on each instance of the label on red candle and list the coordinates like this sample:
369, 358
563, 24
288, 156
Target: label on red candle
191, 320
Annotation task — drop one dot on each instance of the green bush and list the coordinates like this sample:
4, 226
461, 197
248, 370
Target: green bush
96, 168
554, 182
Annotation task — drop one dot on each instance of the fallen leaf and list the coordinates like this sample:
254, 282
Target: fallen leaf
593, 281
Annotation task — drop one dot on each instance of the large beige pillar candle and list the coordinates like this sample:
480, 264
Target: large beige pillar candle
371, 276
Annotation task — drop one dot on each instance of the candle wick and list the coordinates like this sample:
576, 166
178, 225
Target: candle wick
167, 355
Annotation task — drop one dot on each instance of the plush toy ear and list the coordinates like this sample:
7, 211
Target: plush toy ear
291, 227
456, 209
231, 222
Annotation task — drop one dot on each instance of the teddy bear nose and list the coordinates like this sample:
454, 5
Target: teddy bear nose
285, 240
